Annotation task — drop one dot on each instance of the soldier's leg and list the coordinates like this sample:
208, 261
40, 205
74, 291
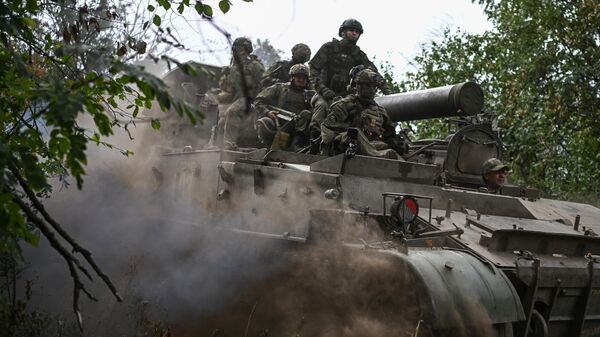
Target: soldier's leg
328, 137
233, 120
365, 148
300, 135
265, 128
320, 108
375, 149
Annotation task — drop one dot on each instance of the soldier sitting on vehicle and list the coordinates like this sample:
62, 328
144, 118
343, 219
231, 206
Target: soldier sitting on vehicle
279, 72
285, 111
321, 108
376, 135
494, 174
331, 65
244, 79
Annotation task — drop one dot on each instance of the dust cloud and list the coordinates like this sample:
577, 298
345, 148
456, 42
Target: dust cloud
182, 273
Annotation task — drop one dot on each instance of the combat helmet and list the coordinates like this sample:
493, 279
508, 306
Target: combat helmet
299, 69
244, 43
367, 76
301, 53
350, 23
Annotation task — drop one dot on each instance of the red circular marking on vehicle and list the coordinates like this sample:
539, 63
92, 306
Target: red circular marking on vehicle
411, 205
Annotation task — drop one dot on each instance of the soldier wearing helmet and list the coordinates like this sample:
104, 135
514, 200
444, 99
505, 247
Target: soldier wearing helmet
243, 80
331, 65
320, 110
376, 133
279, 72
284, 111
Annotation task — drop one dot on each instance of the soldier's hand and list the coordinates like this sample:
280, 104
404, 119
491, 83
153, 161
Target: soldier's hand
272, 115
328, 94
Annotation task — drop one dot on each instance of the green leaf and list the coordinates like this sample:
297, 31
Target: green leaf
95, 138
156, 20
180, 8
112, 102
155, 123
28, 22
103, 124
208, 11
199, 7
163, 100
151, 8
224, 5
31, 6
146, 89
165, 3
191, 114
33, 172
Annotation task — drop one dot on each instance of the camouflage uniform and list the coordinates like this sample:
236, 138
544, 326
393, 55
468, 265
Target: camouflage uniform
321, 107
331, 65
288, 97
377, 135
239, 110
279, 72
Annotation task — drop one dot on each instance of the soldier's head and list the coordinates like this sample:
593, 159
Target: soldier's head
494, 174
299, 75
242, 45
366, 83
353, 72
300, 53
350, 30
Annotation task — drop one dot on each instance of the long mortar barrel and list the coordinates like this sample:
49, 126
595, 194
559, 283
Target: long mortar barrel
463, 99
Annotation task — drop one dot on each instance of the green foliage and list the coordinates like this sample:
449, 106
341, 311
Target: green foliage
62, 62
224, 6
539, 71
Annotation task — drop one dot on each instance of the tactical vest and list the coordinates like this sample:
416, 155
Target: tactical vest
370, 120
341, 60
294, 100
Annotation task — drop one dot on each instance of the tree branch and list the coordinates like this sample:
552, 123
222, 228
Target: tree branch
77, 248
69, 258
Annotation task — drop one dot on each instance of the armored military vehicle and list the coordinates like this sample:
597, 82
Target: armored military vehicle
411, 247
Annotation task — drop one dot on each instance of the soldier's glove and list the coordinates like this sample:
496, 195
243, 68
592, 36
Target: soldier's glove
398, 144
351, 146
328, 94
272, 114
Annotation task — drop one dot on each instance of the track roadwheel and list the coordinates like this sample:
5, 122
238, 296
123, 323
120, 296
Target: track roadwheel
537, 326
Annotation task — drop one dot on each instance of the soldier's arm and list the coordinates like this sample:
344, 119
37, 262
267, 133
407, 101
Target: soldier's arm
271, 75
389, 128
338, 115
317, 66
382, 84
267, 96
390, 137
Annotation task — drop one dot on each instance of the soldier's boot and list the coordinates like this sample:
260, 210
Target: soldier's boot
213, 142
266, 129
